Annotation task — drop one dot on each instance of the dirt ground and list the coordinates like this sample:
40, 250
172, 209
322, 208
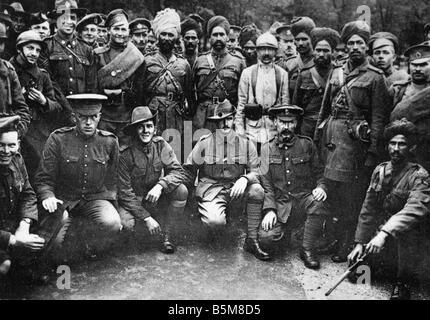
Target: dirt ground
202, 268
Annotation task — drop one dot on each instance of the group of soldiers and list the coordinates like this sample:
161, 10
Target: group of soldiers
300, 125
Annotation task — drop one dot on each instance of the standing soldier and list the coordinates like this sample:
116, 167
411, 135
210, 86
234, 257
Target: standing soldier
354, 111
340, 55
139, 30
261, 86
164, 79
191, 33
301, 29
11, 99
39, 23
396, 204
411, 100
233, 39
221, 159
103, 35
87, 29
419, 66
39, 95
383, 47
247, 40
216, 73
69, 61
151, 46
287, 49
143, 188
79, 169
311, 82
117, 63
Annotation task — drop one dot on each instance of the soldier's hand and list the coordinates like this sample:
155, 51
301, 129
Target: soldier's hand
154, 194
319, 194
51, 204
377, 243
153, 226
36, 95
356, 253
29, 241
269, 220
239, 188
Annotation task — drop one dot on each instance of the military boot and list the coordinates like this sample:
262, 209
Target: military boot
166, 246
310, 259
253, 246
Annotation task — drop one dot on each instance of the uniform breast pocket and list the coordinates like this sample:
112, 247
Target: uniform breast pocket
70, 165
395, 201
98, 168
360, 93
230, 73
301, 164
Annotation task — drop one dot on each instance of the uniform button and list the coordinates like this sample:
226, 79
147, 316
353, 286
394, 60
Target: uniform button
71, 79
287, 159
288, 171
70, 57
85, 182
86, 146
86, 156
70, 68
288, 182
85, 165
63, 42
71, 92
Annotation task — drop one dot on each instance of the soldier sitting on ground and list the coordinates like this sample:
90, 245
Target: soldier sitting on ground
397, 201
143, 188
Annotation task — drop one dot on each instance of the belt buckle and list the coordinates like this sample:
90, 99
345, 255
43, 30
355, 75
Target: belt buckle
170, 96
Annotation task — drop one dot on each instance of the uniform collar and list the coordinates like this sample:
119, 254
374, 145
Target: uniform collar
82, 137
266, 66
219, 55
230, 138
361, 68
282, 144
73, 41
145, 148
31, 69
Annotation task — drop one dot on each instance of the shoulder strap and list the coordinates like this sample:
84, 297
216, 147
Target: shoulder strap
254, 75
159, 75
73, 53
214, 72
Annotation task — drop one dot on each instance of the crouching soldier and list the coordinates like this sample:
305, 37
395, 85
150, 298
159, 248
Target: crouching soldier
290, 169
143, 188
78, 170
222, 158
18, 203
396, 203
23, 240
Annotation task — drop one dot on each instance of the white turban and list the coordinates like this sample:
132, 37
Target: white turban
167, 20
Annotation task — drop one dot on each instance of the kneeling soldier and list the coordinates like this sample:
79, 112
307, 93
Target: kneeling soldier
18, 203
290, 169
78, 170
222, 158
397, 201
143, 188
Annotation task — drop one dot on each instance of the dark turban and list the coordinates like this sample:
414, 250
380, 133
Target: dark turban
249, 32
302, 24
327, 34
191, 24
359, 28
403, 127
384, 35
218, 21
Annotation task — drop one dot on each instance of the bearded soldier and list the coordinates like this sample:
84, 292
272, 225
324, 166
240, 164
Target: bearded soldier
355, 108
311, 82
396, 204
216, 73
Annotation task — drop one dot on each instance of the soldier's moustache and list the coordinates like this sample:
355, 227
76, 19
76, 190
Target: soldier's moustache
166, 45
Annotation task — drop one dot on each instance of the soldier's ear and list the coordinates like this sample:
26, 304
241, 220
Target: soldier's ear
73, 117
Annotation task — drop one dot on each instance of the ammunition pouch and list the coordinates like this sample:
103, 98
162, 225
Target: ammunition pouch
253, 111
359, 130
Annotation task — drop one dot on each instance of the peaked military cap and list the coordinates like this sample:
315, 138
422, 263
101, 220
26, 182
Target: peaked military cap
87, 104
7, 121
418, 54
140, 25
286, 111
93, 18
